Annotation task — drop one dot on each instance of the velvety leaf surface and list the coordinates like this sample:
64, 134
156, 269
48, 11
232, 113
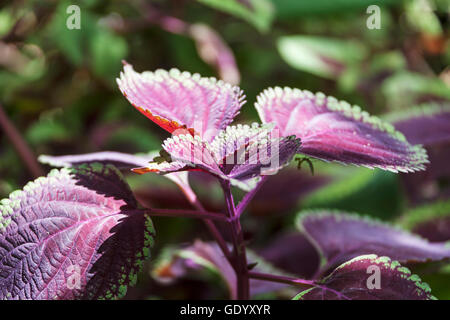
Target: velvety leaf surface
426, 124
334, 130
76, 233
350, 281
340, 237
239, 153
202, 256
178, 100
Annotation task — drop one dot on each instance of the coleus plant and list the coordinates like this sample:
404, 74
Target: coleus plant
79, 233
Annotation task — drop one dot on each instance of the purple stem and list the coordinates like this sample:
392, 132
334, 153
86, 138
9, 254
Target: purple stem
20, 145
188, 214
237, 235
293, 281
249, 196
192, 198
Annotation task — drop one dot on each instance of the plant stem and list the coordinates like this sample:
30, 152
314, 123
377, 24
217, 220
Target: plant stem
280, 279
193, 200
240, 267
188, 214
20, 145
249, 196
294, 282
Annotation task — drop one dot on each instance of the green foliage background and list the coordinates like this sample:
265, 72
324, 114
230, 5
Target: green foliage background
58, 85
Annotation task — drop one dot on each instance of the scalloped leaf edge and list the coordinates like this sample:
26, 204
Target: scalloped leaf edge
354, 112
388, 263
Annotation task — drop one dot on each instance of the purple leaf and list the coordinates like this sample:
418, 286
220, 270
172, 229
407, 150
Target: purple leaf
177, 100
126, 161
207, 256
239, 154
75, 234
118, 159
339, 237
356, 280
286, 250
427, 124
333, 130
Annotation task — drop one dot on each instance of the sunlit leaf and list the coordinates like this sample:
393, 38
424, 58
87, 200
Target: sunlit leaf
118, 159
77, 233
352, 281
239, 153
176, 100
333, 130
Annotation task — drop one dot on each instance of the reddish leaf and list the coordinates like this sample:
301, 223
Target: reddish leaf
176, 100
333, 130
352, 281
75, 234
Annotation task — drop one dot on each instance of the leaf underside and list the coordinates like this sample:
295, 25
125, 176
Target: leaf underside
178, 100
333, 130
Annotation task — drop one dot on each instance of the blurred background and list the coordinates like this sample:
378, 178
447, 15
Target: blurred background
59, 62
